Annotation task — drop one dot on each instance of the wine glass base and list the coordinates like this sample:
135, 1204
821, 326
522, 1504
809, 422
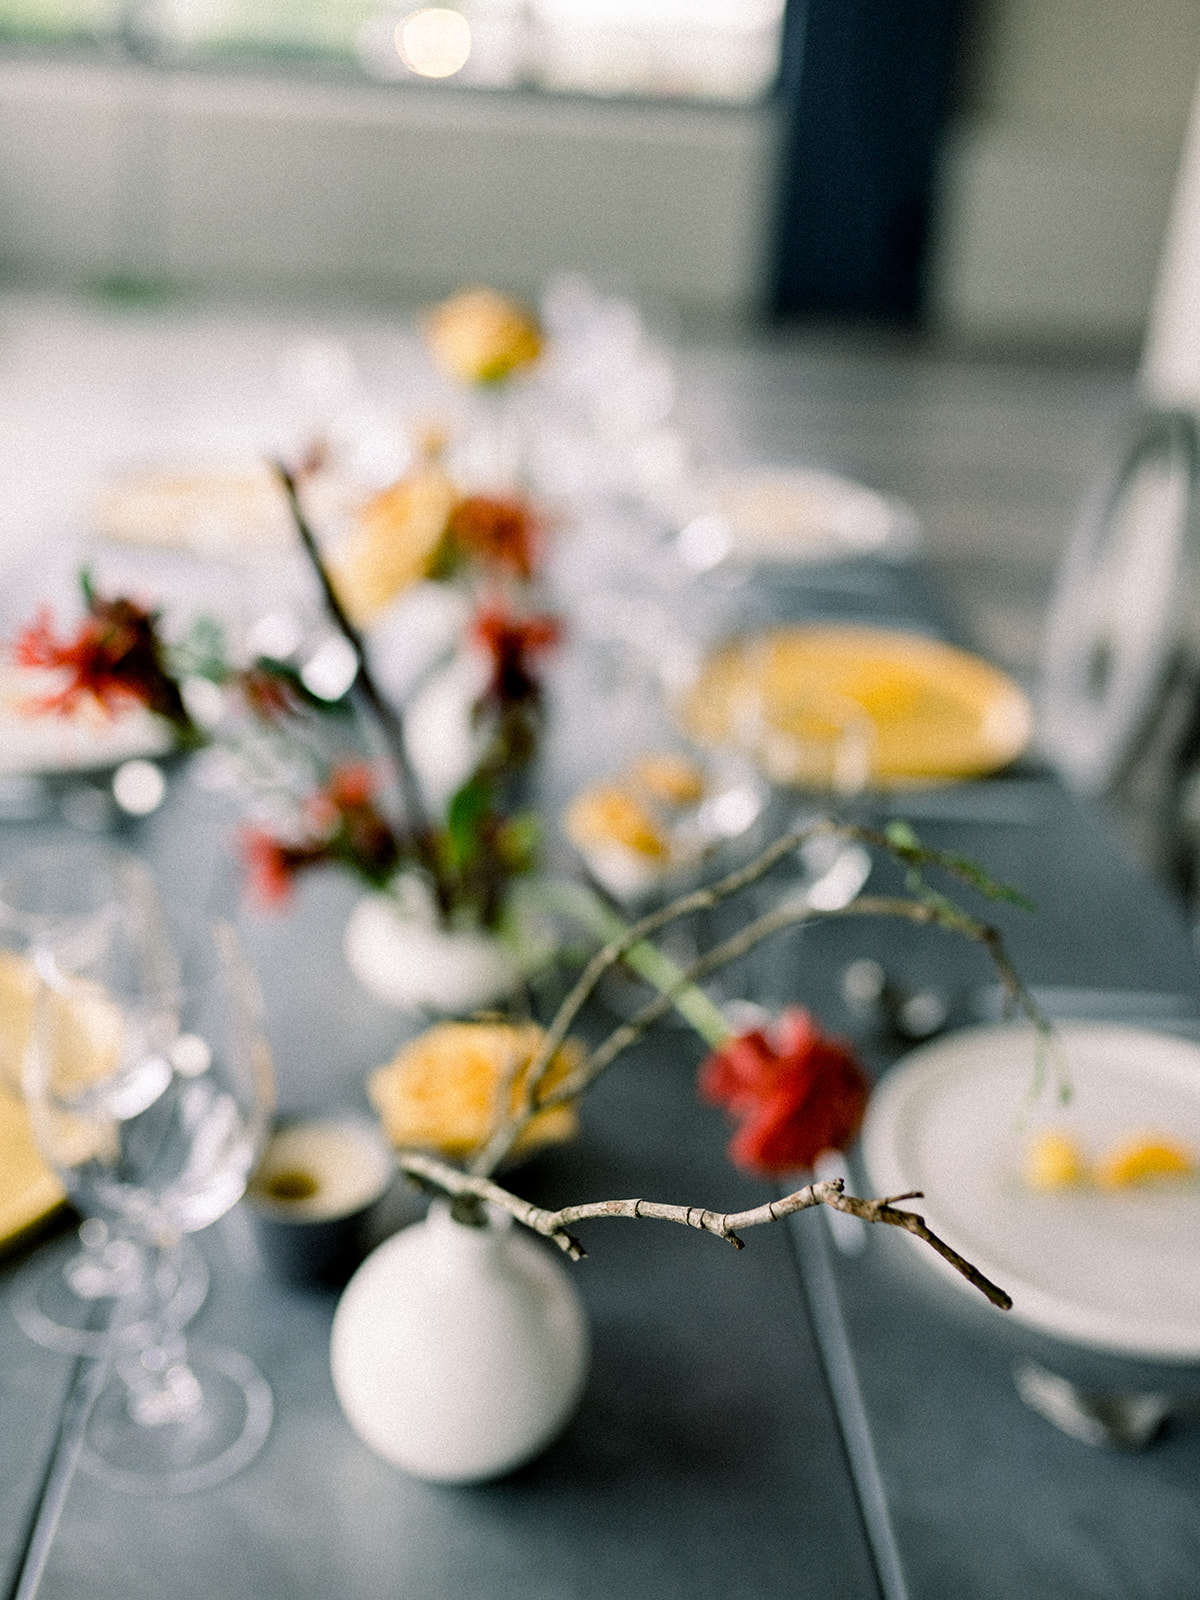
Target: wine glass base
221, 1431
53, 1312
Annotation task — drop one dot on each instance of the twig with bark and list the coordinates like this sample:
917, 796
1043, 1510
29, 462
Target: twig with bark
930, 910
556, 1225
387, 718
469, 1190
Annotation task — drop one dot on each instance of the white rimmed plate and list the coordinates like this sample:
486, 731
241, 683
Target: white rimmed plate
801, 514
1116, 1271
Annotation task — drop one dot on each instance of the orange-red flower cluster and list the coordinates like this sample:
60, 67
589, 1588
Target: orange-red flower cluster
513, 643
115, 659
794, 1093
271, 864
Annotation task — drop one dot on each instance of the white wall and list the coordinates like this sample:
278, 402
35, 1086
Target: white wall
290, 184
1051, 210
1058, 173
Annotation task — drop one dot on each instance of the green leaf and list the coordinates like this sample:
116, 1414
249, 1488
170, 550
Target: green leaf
905, 845
201, 652
900, 836
517, 841
971, 872
464, 818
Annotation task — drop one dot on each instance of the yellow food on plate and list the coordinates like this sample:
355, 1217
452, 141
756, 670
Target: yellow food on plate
935, 712
481, 336
668, 777
29, 1191
441, 1091
608, 814
1053, 1160
1143, 1160
85, 1039
84, 1034
393, 542
18, 991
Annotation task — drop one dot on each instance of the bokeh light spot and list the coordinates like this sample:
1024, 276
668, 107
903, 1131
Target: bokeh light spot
435, 42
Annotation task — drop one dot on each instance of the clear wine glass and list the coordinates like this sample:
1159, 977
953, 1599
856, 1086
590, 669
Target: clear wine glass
150, 1091
48, 894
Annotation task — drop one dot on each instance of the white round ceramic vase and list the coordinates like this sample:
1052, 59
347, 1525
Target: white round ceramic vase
459, 1353
398, 953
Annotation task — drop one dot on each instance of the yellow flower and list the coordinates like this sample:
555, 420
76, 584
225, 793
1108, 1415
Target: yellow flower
1053, 1161
670, 778
440, 1092
607, 814
393, 542
480, 336
1148, 1158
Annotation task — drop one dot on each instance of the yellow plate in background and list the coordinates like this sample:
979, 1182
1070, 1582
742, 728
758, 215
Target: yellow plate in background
937, 713
29, 1191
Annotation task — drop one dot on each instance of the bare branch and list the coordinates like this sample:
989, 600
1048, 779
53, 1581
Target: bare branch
501, 1141
390, 723
556, 1225
740, 944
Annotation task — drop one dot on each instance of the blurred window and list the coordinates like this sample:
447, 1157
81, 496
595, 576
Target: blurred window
714, 50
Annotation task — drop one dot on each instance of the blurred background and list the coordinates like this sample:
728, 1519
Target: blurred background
999, 170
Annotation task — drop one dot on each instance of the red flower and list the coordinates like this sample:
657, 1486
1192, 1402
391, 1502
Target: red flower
499, 532
351, 786
343, 825
115, 659
513, 643
270, 866
794, 1094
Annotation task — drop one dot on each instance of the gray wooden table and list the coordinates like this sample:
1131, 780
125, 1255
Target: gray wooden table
710, 1456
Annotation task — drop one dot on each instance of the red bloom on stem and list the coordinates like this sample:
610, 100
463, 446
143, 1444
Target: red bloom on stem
513, 643
500, 532
115, 659
270, 866
351, 787
794, 1093
342, 823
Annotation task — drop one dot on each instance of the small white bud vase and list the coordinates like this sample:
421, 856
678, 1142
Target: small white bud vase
459, 1353
396, 950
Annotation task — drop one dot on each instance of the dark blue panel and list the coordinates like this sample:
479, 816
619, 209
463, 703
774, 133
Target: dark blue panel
866, 87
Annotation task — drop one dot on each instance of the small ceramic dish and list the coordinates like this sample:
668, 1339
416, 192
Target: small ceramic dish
317, 1196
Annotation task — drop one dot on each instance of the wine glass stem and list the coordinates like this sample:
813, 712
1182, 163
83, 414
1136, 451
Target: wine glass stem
162, 1387
153, 1364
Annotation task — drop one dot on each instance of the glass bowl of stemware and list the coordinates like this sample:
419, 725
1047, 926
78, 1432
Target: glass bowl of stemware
150, 1092
46, 894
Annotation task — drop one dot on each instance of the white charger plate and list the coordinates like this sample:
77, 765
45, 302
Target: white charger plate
86, 740
1116, 1271
801, 514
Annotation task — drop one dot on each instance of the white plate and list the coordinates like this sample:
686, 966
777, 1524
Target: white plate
795, 514
86, 740
1117, 1271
